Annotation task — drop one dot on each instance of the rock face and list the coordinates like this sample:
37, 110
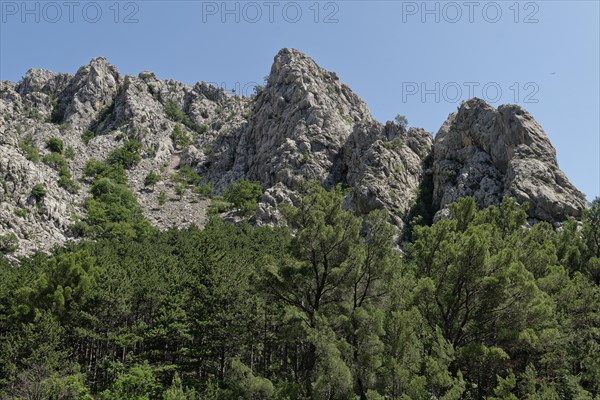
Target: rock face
300, 123
304, 124
489, 154
91, 89
385, 166
37, 224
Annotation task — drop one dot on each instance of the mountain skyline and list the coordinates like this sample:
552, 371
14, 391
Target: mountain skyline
247, 89
304, 124
393, 47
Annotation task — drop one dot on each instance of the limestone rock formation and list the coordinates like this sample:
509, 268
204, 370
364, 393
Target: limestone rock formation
38, 223
385, 166
304, 124
490, 153
300, 123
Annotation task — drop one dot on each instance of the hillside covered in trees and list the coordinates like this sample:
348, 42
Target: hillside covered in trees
480, 305
161, 241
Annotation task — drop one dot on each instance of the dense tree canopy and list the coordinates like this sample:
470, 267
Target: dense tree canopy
478, 306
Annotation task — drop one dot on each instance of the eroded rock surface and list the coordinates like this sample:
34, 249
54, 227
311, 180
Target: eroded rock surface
304, 124
490, 153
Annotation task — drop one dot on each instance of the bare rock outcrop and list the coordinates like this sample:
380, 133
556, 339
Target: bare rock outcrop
490, 153
303, 125
300, 123
38, 223
385, 166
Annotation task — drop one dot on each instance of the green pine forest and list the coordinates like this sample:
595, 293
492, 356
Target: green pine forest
477, 306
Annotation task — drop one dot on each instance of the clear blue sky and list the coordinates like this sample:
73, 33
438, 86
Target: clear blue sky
546, 51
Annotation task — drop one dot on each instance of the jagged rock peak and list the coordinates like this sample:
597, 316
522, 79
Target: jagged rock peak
40, 80
300, 123
292, 65
93, 87
489, 153
98, 73
295, 70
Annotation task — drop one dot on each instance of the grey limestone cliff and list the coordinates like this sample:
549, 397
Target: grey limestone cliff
304, 124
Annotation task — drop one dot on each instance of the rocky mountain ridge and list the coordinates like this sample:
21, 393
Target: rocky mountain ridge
304, 124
